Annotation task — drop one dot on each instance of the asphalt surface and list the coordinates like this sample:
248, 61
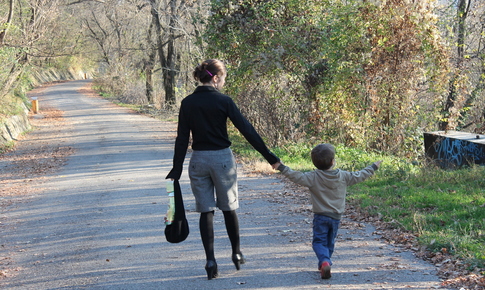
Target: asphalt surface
99, 223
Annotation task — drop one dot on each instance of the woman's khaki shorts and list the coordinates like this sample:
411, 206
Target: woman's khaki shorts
214, 170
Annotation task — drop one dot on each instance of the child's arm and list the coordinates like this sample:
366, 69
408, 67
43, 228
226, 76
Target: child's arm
295, 176
378, 163
359, 176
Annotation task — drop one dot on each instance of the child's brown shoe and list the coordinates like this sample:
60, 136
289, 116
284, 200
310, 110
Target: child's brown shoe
325, 270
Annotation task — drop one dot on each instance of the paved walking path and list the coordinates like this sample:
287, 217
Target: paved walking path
99, 223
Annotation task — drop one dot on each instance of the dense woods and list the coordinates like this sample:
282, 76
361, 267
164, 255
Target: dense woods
369, 74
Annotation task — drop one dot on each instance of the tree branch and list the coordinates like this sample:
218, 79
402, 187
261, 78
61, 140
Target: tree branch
84, 1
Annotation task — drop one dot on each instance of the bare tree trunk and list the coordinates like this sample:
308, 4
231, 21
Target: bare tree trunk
168, 60
149, 66
169, 72
3, 32
158, 32
462, 12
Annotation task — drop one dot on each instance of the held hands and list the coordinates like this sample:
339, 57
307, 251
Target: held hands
277, 164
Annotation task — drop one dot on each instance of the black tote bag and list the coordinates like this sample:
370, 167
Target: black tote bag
178, 231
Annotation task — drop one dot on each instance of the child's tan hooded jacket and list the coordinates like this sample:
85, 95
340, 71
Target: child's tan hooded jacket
328, 187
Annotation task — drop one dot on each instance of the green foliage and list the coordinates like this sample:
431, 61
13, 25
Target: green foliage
256, 38
11, 100
8, 58
347, 72
406, 57
10, 105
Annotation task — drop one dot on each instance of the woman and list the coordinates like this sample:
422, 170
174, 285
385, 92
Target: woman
212, 166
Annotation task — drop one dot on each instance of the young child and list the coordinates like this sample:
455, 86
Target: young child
328, 189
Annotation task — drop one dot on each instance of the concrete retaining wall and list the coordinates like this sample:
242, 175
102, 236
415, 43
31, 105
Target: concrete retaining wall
52, 75
12, 127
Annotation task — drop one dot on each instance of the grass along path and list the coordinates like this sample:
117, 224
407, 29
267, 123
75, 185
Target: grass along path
438, 213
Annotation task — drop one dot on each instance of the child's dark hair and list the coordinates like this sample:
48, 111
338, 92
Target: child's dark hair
207, 69
323, 155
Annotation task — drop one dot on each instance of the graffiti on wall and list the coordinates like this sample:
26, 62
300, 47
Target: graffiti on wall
459, 152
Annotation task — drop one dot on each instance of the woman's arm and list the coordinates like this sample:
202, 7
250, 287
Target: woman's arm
181, 144
248, 131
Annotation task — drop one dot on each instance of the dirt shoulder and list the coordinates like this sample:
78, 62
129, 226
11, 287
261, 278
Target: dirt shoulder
35, 154
42, 152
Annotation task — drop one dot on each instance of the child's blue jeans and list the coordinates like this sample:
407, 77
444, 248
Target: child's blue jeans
324, 235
